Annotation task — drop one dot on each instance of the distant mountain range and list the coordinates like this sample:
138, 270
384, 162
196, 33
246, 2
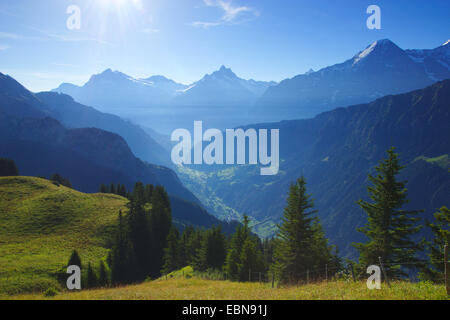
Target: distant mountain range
381, 69
40, 145
224, 100
113, 89
335, 151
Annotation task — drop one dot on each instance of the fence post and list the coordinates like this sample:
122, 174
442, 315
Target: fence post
249, 275
384, 272
307, 276
273, 279
447, 270
353, 272
326, 272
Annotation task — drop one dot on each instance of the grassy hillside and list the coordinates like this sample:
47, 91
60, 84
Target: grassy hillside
41, 223
179, 288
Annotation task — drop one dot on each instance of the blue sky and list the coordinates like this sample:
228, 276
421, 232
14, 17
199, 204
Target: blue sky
185, 39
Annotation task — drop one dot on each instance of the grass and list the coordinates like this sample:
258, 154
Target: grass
179, 288
41, 223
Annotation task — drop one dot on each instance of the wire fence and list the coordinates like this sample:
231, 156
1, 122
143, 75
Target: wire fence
350, 272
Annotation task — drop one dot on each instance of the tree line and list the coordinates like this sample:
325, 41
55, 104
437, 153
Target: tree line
147, 245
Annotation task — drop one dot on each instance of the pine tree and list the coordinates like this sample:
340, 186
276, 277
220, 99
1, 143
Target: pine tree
8, 168
441, 232
139, 230
234, 252
148, 192
160, 224
251, 260
183, 246
124, 268
212, 252
389, 228
74, 259
112, 188
193, 244
245, 254
123, 191
300, 243
91, 277
103, 188
103, 279
171, 253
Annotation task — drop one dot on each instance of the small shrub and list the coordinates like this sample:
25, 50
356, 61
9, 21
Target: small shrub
50, 292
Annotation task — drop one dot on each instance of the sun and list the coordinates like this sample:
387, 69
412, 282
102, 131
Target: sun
124, 12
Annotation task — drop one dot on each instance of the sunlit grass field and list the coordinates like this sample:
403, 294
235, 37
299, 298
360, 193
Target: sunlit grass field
41, 223
199, 289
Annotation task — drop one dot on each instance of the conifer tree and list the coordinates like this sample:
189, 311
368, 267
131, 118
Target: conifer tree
389, 227
234, 252
139, 230
159, 228
103, 189
74, 259
300, 243
112, 188
123, 263
103, 279
251, 260
245, 254
122, 191
183, 246
8, 168
193, 244
212, 252
172, 252
91, 277
441, 237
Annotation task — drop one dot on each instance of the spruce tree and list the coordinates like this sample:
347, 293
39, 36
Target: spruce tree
245, 254
103, 188
139, 230
91, 277
183, 246
172, 252
8, 168
441, 237
234, 252
160, 224
212, 252
251, 260
389, 227
103, 279
300, 243
124, 268
74, 259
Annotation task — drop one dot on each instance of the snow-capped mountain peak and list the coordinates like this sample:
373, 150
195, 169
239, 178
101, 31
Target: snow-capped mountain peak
224, 72
380, 47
